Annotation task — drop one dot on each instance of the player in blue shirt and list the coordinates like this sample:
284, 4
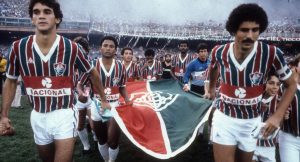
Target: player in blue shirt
197, 70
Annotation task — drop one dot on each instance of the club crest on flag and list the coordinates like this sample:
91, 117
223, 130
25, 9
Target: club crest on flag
256, 77
155, 100
59, 68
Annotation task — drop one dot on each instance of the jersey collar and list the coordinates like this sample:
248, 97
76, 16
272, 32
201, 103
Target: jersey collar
46, 57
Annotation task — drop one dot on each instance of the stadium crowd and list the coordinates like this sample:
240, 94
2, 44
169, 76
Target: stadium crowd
209, 30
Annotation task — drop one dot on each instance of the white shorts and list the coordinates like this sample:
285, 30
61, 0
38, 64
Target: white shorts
58, 124
232, 131
289, 147
96, 110
81, 106
264, 154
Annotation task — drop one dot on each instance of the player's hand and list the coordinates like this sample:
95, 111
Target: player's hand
186, 88
209, 96
105, 105
6, 127
128, 101
272, 124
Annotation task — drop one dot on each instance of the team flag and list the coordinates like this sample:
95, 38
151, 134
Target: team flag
162, 119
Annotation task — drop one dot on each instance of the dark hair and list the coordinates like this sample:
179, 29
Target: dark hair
202, 46
109, 38
247, 12
296, 60
83, 42
126, 48
271, 73
168, 54
183, 42
50, 3
149, 52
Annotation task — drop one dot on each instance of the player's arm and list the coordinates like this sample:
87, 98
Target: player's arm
273, 122
213, 75
206, 87
124, 94
172, 73
82, 80
96, 81
9, 90
186, 77
83, 97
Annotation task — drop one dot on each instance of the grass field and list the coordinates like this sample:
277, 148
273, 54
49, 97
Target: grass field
21, 147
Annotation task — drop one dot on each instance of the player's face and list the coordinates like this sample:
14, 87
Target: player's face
202, 54
168, 58
183, 48
246, 35
272, 86
149, 58
134, 60
127, 56
108, 49
43, 18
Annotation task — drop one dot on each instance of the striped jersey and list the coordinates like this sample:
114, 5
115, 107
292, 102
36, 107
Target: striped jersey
242, 85
111, 80
265, 114
292, 125
132, 72
49, 79
180, 65
152, 72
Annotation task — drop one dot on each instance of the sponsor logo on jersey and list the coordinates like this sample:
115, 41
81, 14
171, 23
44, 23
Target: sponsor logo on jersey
200, 75
59, 68
240, 93
237, 101
256, 78
47, 83
46, 88
111, 94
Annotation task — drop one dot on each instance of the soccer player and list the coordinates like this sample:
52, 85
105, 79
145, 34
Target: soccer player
243, 66
289, 143
152, 69
180, 61
84, 111
113, 77
132, 72
265, 149
198, 70
46, 62
167, 67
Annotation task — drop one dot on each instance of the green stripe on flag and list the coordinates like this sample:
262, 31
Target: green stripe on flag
183, 115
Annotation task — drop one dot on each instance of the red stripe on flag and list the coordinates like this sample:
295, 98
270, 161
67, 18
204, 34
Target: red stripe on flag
142, 122
144, 126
